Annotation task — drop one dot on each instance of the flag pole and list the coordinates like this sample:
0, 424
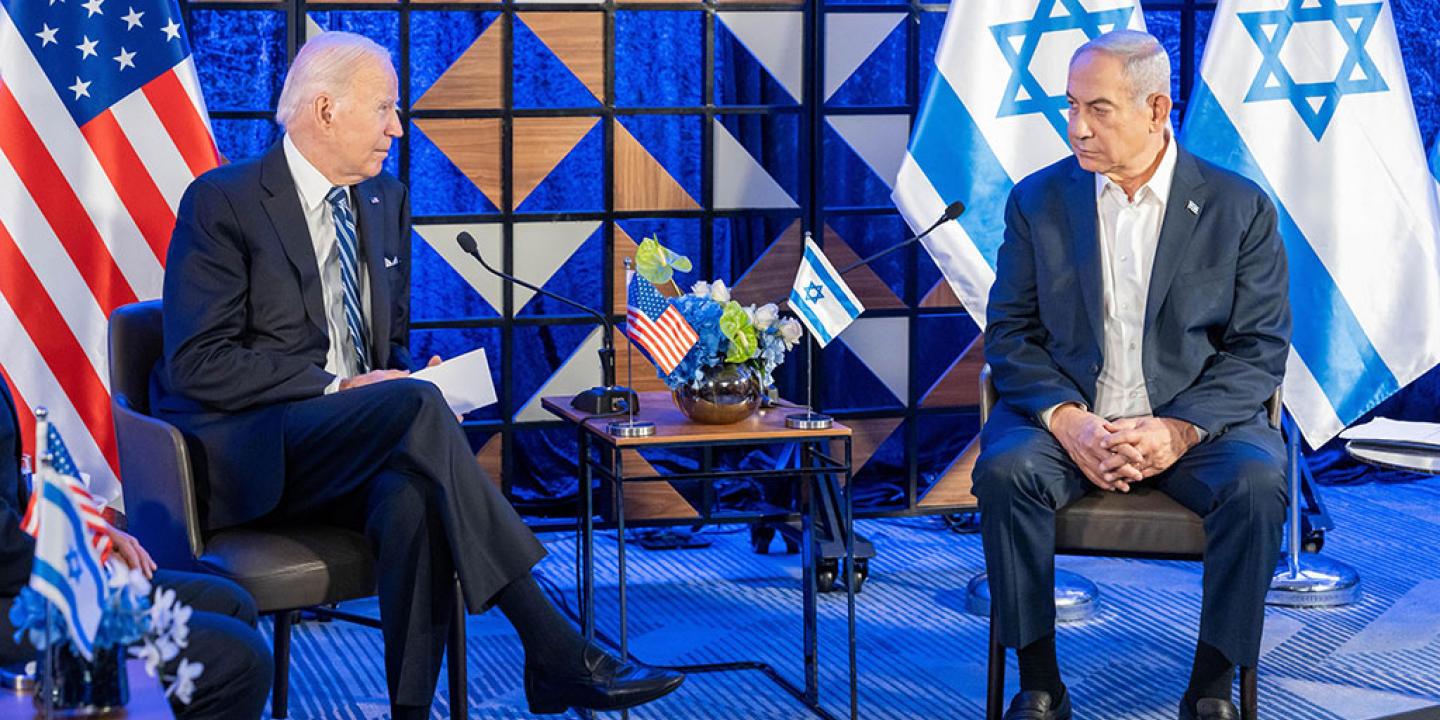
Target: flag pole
809, 420
630, 427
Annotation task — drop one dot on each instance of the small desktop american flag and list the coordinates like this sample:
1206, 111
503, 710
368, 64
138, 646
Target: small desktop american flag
656, 325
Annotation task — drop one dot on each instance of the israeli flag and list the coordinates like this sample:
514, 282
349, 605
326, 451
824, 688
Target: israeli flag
820, 298
67, 569
1435, 161
995, 112
1309, 99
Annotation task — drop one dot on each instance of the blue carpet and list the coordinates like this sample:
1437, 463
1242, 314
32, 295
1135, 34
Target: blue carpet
921, 656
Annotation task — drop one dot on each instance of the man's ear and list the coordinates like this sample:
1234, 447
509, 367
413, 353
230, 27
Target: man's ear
1160, 106
323, 110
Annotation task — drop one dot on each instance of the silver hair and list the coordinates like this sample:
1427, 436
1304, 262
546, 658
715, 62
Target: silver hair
325, 64
1147, 65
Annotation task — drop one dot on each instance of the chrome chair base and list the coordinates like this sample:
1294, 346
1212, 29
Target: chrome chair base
1076, 597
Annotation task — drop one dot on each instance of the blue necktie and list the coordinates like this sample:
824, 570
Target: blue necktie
349, 275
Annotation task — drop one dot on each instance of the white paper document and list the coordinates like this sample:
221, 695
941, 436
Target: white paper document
1385, 431
464, 380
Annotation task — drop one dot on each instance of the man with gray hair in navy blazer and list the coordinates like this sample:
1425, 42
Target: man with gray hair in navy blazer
1138, 322
286, 312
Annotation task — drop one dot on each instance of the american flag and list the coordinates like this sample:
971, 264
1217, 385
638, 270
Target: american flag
656, 325
102, 127
57, 467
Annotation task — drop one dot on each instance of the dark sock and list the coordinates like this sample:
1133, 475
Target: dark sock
409, 712
1039, 668
551, 643
1212, 676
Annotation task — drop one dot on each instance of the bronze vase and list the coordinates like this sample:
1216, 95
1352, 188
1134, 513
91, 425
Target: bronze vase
728, 393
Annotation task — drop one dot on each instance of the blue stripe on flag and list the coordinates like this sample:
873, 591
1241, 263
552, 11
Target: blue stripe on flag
1327, 335
951, 151
840, 294
799, 305
55, 579
1435, 159
56, 495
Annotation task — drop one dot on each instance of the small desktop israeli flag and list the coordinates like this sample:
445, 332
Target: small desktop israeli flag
820, 298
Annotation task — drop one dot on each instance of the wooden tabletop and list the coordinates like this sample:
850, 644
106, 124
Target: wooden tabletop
147, 700
672, 427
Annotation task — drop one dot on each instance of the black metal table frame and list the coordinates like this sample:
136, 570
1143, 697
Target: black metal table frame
608, 464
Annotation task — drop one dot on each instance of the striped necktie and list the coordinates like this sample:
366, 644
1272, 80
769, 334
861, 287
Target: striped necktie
349, 275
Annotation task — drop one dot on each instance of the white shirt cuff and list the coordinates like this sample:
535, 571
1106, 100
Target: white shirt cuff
333, 386
1047, 412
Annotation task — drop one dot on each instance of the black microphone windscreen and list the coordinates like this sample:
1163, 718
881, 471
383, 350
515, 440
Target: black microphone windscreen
467, 242
954, 210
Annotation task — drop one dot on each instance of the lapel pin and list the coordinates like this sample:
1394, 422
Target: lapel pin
1191, 206
376, 201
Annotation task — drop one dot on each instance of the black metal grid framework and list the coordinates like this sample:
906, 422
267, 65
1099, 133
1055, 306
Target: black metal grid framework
811, 209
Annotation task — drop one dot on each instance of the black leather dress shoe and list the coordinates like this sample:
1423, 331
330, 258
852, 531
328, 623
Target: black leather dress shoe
1208, 709
601, 682
1036, 705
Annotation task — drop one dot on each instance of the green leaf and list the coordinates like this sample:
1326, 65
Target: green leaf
736, 327
657, 263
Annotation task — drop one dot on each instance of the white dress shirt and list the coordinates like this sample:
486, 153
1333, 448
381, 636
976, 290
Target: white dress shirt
340, 360
1128, 232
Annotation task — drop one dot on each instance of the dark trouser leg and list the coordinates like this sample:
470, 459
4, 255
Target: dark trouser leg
1021, 478
1236, 482
236, 680
346, 456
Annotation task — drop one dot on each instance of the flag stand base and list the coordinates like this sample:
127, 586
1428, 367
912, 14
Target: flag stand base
809, 421
631, 428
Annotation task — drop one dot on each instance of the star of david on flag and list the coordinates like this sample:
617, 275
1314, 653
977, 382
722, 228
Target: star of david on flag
1314, 101
995, 111
820, 298
69, 565
1330, 134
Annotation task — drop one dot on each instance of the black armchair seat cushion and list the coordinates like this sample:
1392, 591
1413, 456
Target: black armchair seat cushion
288, 567
1144, 521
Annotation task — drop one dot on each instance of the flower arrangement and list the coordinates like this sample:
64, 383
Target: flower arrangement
728, 332
155, 630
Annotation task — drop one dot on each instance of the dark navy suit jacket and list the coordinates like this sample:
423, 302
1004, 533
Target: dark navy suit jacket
17, 549
245, 329
1217, 316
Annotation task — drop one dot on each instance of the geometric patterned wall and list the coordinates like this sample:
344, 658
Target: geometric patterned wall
561, 136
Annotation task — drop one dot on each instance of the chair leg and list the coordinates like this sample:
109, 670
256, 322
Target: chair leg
459, 696
1249, 694
994, 677
280, 690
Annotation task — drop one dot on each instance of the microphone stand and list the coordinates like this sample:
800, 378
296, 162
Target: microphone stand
606, 399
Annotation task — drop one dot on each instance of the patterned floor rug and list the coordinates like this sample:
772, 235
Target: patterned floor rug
922, 656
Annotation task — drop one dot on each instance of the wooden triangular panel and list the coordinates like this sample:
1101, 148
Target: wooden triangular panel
955, 487
960, 384
473, 145
868, 435
774, 272
577, 39
641, 182
473, 80
490, 459
874, 294
540, 144
652, 500
941, 296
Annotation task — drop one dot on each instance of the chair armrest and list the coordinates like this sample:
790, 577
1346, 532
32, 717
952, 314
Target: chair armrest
158, 486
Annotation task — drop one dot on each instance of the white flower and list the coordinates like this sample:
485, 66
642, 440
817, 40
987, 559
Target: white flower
700, 289
148, 651
183, 687
719, 293
766, 316
791, 331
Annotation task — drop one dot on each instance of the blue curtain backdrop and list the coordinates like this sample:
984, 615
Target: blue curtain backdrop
659, 62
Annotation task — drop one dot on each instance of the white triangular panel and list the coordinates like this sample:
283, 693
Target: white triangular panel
883, 344
542, 248
740, 181
441, 238
879, 140
849, 39
776, 39
312, 28
580, 371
